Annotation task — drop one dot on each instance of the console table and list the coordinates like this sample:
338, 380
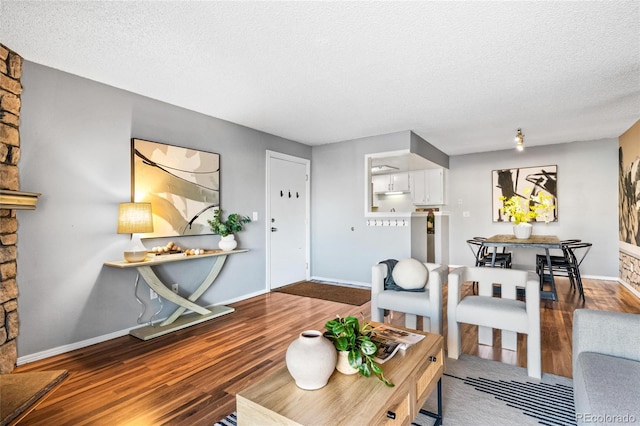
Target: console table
177, 320
351, 399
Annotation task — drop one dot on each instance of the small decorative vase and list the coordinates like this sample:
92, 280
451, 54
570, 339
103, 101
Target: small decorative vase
343, 363
228, 243
522, 231
311, 359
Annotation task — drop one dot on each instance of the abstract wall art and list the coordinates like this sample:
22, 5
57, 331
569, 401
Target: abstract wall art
524, 182
629, 186
182, 185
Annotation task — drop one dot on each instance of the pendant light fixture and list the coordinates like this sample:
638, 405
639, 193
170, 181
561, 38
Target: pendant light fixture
519, 140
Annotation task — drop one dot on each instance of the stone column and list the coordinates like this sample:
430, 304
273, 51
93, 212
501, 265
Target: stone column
10, 90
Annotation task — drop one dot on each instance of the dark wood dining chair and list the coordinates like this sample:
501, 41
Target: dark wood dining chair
568, 264
484, 257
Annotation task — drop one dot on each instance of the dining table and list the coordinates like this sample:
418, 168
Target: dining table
546, 242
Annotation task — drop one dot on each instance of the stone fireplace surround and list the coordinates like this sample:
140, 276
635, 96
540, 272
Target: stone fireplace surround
10, 90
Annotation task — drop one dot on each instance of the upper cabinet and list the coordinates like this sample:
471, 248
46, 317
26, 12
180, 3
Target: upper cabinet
427, 187
400, 183
418, 187
394, 182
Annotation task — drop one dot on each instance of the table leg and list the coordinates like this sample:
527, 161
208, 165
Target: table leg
438, 415
553, 295
178, 321
163, 291
213, 274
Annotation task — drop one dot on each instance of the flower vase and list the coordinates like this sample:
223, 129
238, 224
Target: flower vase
343, 365
228, 243
522, 231
311, 359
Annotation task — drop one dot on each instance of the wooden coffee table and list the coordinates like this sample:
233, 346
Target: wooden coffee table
354, 399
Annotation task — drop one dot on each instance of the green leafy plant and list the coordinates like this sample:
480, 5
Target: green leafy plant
523, 210
348, 335
234, 223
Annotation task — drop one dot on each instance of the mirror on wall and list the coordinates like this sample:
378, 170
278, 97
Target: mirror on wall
400, 182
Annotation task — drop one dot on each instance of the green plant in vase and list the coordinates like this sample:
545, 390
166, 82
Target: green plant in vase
227, 228
349, 336
234, 223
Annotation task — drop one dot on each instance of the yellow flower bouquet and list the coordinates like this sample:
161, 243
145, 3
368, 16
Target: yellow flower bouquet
523, 210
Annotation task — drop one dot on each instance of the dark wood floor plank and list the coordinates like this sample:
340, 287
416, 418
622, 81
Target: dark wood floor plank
190, 377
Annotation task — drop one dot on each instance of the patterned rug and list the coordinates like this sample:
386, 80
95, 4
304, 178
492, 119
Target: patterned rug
481, 392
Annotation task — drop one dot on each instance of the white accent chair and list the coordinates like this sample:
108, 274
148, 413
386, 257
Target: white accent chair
427, 304
487, 312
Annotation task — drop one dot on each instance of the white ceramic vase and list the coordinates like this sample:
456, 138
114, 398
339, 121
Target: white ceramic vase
311, 359
343, 365
228, 243
522, 231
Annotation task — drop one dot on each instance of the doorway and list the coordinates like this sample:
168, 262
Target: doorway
288, 213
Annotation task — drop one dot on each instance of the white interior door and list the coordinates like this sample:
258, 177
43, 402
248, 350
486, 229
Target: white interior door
287, 219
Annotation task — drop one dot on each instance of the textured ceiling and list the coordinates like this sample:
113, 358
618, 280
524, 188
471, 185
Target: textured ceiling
462, 75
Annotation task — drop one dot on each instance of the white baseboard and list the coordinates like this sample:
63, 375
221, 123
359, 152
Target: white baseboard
103, 338
630, 287
343, 282
72, 346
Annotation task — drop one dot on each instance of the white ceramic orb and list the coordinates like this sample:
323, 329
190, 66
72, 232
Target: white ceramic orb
410, 274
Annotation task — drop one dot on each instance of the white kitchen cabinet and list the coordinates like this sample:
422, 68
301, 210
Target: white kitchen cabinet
380, 183
396, 182
418, 187
435, 186
427, 187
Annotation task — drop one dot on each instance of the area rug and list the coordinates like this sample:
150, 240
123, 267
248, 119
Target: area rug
478, 391
21, 392
335, 293
481, 392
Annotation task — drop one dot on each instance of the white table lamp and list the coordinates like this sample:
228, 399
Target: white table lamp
135, 219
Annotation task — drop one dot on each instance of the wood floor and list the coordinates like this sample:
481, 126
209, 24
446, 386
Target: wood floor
191, 377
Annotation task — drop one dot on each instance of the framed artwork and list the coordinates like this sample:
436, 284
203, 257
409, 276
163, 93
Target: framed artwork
182, 185
524, 182
628, 184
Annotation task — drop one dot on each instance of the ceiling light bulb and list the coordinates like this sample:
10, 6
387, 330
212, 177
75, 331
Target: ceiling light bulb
519, 139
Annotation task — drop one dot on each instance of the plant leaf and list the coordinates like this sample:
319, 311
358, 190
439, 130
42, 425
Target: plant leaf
364, 370
355, 359
341, 343
376, 368
368, 347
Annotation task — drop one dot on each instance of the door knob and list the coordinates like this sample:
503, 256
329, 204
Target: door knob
274, 229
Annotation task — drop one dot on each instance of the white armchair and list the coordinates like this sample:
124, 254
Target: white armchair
487, 312
427, 304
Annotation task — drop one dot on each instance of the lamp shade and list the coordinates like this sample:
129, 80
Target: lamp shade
135, 218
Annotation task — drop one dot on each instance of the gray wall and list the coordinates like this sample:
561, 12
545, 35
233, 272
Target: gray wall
587, 197
338, 199
75, 150
587, 186
75, 137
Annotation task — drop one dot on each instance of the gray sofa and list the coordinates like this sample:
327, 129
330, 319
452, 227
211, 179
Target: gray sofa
606, 367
